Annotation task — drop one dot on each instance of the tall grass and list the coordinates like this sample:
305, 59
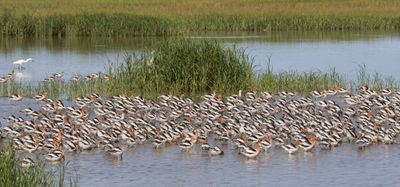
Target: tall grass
12, 174
190, 67
59, 88
127, 25
302, 83
185, 8
292, 23
194, 68
374, 81
86, 25
44, 18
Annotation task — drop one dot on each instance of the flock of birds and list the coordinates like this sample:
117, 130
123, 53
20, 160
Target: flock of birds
252, 122
78, 77
54, 76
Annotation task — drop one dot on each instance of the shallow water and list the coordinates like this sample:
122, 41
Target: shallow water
144, 166
345, 52
345, 166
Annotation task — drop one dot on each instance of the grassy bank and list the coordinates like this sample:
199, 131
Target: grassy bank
13, 174
173, 8
124, 18
194, 68
126, 25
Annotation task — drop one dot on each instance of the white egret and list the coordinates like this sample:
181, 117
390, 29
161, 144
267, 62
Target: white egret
22, 61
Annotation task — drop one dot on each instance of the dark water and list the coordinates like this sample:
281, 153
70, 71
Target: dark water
144, 166
345, 52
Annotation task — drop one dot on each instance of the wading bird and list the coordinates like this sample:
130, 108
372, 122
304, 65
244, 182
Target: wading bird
21, 62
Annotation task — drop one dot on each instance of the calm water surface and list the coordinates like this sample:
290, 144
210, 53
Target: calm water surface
345, 52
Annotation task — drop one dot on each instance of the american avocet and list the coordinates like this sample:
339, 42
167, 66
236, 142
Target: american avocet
41, 96
251, 152
214, 151
31, 145
309, 143
115, 151
58, 75
27, 162
16, 97
266, 143
55, 155
291, 148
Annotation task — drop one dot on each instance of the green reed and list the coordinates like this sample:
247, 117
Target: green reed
184, 66
12, 174
302, 83
86, 25
125, 25
374, 81
62, 18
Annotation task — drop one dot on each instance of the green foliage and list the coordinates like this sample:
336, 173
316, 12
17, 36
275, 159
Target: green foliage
124, 25
302, 83
185, 66
13, 174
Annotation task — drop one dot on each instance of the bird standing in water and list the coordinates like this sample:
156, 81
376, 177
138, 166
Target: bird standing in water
21, 62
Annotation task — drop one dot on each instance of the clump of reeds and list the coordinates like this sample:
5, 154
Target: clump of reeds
374, 81
86, 25
13, 174
302, 83
127, 25
185, 66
